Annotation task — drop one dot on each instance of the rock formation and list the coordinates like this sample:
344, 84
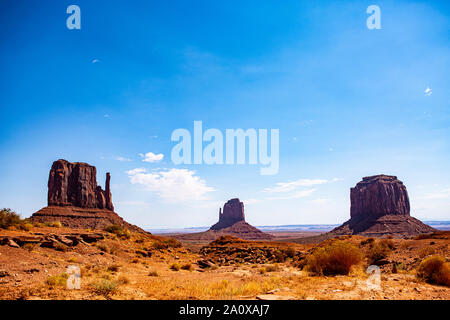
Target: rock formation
75, 184
379, 207
233, 212
231, 222
75, 199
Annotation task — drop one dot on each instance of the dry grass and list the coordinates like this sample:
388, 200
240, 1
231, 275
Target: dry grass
105, 287
58, 280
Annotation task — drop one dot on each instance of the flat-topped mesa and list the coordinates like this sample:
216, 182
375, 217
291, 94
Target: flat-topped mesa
377, 196
380, 207
75, 184
233, 212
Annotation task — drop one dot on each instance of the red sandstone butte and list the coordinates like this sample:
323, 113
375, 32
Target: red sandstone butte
231, 222
75, 199
380, 207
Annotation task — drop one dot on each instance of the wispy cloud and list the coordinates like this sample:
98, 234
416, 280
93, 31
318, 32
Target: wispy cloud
151, 157
292, 185
123, 159
428, 91
295, 195
95, 61
174, 185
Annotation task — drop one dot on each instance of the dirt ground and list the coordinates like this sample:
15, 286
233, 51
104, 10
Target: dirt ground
149, 267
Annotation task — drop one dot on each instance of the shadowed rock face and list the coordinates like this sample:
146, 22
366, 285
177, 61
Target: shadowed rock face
377, 196
233, 211
75, 184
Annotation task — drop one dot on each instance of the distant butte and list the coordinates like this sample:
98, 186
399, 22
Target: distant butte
231, 222
75, 199
380, 207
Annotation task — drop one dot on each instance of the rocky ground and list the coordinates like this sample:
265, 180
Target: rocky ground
33, 265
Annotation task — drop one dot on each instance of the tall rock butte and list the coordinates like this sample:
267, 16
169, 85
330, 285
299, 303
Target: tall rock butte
75, 199
233, 212
231, 222
379, 206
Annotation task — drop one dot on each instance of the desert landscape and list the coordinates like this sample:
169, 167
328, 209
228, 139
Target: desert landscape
79, 248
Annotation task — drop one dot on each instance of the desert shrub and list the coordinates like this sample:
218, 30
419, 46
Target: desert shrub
272, 268
159, 245
103, 247
379, 250
118, 230
29, 246
334, 258
289, 252
427, 251
123, 280
434, 270
175, 266
105, 287
25, 225
387, 242
9, 218
113, 268
262, 270
280, 256
172, 243
58, 280
53, 224
153, 273
135, 260
187, 266
61, 247
367, 241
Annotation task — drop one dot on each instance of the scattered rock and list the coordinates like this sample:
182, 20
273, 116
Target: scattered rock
4, 273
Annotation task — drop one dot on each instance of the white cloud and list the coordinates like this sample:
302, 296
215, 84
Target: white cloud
151, 157
251, 201
123, 159
292, 185
295, 195
174, 185
95, 61
428, 91
444, 194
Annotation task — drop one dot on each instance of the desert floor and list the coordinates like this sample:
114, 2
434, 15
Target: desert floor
152, 267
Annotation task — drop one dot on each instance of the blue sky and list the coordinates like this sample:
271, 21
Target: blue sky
349, 102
